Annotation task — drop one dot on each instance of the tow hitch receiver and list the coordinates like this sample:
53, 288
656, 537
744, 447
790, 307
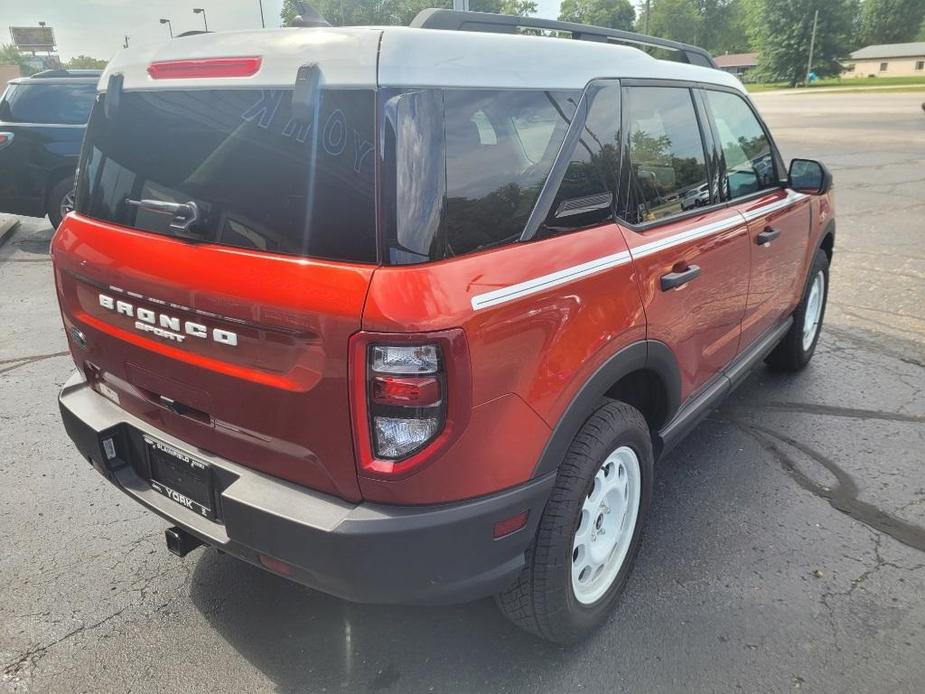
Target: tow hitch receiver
180, 542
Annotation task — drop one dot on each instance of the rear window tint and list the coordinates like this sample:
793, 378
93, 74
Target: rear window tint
260, 179
62, 104
465, 167
493, 182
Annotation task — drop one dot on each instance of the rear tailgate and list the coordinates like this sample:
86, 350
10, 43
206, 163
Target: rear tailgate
227, 324
276, 401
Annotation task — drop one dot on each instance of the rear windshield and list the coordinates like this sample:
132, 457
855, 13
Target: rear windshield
465, 167
60, 104
260, 179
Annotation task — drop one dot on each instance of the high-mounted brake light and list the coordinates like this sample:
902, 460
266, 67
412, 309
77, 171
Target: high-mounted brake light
204, 67
410, 398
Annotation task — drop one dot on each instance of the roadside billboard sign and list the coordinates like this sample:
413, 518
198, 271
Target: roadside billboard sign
41, 39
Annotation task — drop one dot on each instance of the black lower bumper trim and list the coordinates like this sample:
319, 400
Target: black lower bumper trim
365, 553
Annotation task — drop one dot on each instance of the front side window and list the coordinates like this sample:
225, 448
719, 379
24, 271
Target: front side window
667, 171
260, 178
59, 104
749, 163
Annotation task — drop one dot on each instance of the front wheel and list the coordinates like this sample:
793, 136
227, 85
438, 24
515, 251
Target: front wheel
797, 347
590, 531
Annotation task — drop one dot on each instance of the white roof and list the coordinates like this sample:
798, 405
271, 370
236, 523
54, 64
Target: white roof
407, 57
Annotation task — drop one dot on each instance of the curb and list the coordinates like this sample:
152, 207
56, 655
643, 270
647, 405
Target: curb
8, 224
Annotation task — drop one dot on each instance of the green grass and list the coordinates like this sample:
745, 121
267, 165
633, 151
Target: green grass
902, 83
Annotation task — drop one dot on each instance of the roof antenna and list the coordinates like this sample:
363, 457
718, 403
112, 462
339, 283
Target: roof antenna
308, 17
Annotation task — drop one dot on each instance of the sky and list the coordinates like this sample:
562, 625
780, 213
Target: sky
97, 27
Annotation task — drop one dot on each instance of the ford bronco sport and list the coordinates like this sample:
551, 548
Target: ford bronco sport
407, 314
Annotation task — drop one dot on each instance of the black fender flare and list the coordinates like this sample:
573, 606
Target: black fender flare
650, 355
826, 233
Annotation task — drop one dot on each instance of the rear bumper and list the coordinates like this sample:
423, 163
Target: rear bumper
364, 553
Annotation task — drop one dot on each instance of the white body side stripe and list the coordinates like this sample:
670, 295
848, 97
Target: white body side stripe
538, 284
554, 279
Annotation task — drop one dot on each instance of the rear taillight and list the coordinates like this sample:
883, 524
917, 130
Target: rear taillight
410, 398
5, 139
204, 67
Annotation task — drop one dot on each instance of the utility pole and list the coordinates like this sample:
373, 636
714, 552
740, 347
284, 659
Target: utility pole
645, 29
461, 5
812, 46
263, 24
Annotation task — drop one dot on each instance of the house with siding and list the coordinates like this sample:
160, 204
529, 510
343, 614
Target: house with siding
886, 60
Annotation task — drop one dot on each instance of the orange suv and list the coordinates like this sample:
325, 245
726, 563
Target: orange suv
407, 314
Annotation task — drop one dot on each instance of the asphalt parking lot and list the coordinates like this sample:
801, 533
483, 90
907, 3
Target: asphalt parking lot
785, 550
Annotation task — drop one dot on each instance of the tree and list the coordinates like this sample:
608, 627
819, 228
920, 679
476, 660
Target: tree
717, 25
723, 26
781, 31
85, 62
616, 14
10, 55
679, 20
383, 12
890, 21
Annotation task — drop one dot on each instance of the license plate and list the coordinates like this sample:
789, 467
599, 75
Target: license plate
179, 477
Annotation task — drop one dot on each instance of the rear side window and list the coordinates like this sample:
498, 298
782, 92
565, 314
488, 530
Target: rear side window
493, 183
749, 165
667, 170
259, 178
61, 104
465, 167
586, 193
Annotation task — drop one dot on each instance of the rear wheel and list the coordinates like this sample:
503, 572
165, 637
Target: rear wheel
590, 531
797, 347
60, 200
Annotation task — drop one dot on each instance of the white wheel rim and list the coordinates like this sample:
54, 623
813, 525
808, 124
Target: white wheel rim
606, 525
813, 310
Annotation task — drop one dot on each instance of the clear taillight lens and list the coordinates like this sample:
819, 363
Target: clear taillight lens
405, 398
405, 359
397, 437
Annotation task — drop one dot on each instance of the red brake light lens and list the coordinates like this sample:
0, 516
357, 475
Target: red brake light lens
204, 67
393, 390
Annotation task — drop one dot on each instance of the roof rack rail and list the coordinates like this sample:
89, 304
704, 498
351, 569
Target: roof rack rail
453, 20
63, 72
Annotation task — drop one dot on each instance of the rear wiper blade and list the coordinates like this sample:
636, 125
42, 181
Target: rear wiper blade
184, 214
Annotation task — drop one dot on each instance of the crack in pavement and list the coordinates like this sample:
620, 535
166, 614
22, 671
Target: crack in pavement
843, 496
25, 361
833, 411
15, 667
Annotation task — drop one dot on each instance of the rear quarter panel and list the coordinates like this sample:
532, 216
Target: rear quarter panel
529, 356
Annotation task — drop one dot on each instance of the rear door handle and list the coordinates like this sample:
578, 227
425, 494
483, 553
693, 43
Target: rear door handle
766, 236
676, 279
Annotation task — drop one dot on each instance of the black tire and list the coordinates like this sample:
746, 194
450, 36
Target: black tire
790, 353
56, 197
542, 599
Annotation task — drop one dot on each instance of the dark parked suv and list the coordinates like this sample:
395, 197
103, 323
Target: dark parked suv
42, 123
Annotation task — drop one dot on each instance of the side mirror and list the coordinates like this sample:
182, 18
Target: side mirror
809, 176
